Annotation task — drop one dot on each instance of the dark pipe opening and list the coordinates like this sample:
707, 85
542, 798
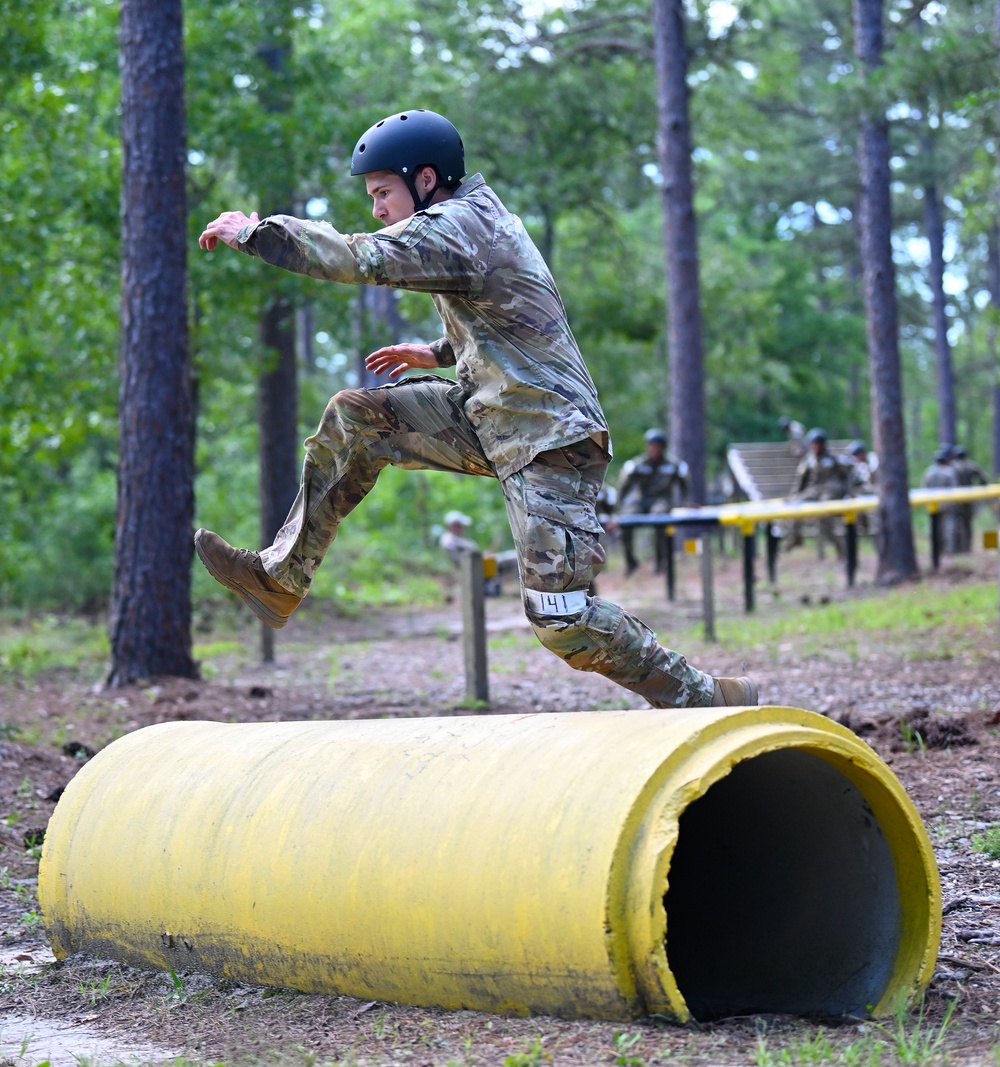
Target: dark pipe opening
781, 894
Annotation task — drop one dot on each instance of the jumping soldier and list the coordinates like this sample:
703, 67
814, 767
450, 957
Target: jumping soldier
524, 409
649, 484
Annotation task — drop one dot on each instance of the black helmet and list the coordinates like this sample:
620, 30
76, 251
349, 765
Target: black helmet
657, 436
405, 142
942, 455
857, 446
816, 434
958, 452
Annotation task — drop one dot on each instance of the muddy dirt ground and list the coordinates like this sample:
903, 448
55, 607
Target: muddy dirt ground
928, 703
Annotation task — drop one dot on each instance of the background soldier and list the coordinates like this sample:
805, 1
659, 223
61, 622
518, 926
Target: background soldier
941, 475
649, 484
455, 540
862, 469
967, 472
523, 409
796, 434
821, 476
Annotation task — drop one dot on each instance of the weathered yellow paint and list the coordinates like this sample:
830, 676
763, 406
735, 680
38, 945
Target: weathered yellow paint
505, 863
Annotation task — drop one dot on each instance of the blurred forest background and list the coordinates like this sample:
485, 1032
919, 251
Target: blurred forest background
557, 105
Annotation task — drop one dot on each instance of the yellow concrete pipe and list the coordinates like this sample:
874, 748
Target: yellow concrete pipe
605, 864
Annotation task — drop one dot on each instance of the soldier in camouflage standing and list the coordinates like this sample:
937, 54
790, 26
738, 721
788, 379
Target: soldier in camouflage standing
648, 485
967, 473
523, 410
821, 476
941, 475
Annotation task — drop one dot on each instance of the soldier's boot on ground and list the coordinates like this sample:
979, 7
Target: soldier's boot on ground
734, 693
241, 570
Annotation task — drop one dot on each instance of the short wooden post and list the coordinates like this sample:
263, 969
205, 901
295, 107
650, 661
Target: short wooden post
991, 542
477, 685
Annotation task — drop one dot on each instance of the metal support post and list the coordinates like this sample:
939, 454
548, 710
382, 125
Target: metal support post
707, 591
477, 686
669, 562
749, 557
935, 537
773, 547
851, 546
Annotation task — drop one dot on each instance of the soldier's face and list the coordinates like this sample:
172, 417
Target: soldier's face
391, 199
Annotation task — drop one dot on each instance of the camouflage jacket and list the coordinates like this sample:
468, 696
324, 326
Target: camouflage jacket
643, 483
526, 386
822, 477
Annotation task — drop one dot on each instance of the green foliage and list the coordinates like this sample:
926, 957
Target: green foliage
533, 1056
988, 843
914, 1038
50, 643
558, 109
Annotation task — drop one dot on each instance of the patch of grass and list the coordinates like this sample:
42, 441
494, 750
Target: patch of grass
913, 1038
95, 991
988, 843
54, 643
624, 1043
818, 1048
533, 1056
916, 609
212, 649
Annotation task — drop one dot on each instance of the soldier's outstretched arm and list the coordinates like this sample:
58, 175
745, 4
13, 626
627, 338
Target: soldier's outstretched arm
225, 228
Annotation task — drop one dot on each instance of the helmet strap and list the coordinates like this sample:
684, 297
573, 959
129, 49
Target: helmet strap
411, 184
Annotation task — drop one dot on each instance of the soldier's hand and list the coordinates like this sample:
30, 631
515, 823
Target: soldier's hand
225, 228
397, 358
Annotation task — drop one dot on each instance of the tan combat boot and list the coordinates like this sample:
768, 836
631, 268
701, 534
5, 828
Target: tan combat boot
734, 693
241, 570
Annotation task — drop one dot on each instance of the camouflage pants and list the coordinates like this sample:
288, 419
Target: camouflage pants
420, 423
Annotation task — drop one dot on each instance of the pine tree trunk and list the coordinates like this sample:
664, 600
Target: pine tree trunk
277, 386
934, 226
686, 361
995, 261
150, 623
897, 558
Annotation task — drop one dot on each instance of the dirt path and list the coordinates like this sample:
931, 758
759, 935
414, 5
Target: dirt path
407, 663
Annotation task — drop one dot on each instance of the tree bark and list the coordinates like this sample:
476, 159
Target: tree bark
934, 226
277, 386
993, 282
680, 236
897, 558
150, 621
995, 261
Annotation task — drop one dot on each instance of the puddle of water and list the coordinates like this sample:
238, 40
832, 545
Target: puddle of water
27, 1041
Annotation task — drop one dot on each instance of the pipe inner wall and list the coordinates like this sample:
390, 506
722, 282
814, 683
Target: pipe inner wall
782, 894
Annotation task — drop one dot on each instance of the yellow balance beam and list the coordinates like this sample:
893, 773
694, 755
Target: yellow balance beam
607, 864
755, 511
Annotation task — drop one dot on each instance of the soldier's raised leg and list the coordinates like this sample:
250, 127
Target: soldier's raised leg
550, 504
418, 424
